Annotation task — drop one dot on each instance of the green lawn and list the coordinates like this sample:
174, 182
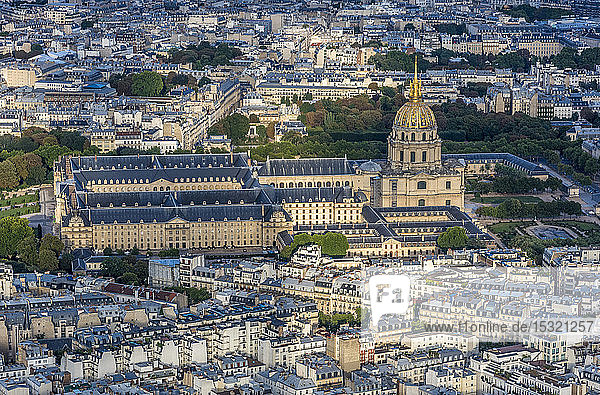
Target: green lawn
508, 227
16, 212
508, 230
33, 197
500, 199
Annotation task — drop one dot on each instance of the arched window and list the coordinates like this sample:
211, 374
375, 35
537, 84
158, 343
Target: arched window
421, 185
424, 136
421, 202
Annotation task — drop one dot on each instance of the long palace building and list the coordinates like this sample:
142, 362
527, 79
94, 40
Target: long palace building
395, 207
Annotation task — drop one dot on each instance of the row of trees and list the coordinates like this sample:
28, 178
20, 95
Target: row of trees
452, 29
518, 61
358, 127
315, 147
592, 116
235, 126
204, 54
361, 116
332, 322
461, 122
152, 84
570, 58
400, 61
508, 180
43, 254
331, 243
19, 241
28, 160
535, 13
126, 270
514, 208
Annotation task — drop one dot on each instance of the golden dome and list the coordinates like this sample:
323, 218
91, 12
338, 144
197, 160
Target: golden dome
415, 114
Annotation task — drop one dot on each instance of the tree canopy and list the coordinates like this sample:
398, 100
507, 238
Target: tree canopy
570, 58
535, 13
146, 83
331, 243
451, 28
518, 61
204, 54
400, 61
514, 208
195, 295
235, 126
126, 270
12, 231
454, 238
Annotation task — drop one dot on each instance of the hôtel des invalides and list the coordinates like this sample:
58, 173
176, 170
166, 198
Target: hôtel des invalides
393, 208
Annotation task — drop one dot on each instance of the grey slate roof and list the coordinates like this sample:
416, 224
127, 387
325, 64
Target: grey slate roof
157, 162
188, 213
170, 198
309, 166
236, 174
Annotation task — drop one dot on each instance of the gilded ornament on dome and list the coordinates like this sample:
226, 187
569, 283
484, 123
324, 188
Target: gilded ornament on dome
415, 114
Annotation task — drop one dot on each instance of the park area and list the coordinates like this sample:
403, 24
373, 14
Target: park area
27, 203
501, 199
544, 229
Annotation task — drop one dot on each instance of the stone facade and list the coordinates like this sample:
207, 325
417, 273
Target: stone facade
414, 174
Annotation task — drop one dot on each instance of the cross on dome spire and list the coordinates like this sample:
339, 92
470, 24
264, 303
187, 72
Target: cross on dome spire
415, 86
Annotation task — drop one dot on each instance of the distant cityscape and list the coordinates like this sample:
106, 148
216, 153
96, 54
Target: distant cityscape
300, 198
